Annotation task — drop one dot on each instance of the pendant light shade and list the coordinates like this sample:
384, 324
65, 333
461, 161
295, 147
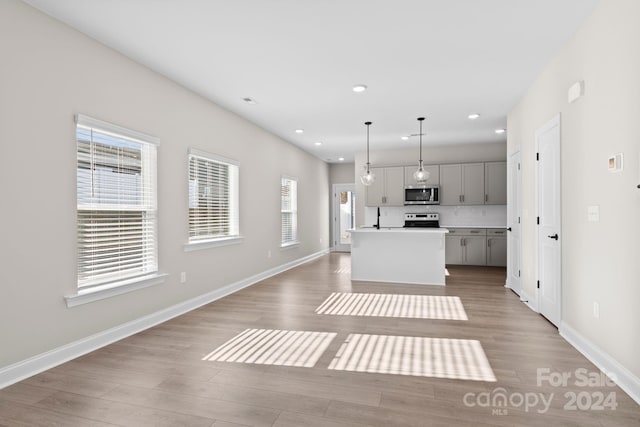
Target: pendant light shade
421, 175
367, 177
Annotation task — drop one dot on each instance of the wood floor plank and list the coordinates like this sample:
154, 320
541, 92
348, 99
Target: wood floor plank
159, 378
25, 393
118, 413
275, 399
194, 405
15, 414
289, 419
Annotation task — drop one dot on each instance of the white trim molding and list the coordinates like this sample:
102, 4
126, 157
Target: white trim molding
532, 303
625, 379
108, 290
34, 365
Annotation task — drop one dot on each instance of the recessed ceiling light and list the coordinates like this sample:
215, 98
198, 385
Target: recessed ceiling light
318, 143
299, 130
249, 100
499, 131
404, 138
359, 88
473, 116
341, 159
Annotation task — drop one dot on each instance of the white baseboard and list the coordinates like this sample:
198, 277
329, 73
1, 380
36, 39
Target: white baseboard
625, 379
26, 368
531, 302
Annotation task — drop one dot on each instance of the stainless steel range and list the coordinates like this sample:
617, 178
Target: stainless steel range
431, 220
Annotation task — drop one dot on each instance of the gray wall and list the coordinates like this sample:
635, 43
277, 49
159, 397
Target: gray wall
599, 259
49, 73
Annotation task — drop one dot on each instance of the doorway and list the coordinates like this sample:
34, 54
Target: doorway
514, 207
549, 217
344, 216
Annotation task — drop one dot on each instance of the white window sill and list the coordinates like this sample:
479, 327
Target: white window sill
96, 293
289, 245
212, 243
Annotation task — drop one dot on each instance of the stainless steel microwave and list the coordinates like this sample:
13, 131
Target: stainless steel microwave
422, 195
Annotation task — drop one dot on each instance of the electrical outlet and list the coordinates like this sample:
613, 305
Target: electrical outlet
596, 310
183, 277
269, 253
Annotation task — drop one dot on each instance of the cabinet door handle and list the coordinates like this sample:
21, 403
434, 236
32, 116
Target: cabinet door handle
486, 197
460, 198
488, 243
384, 199
475, 231
463, 198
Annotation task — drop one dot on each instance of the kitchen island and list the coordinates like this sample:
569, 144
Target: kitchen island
398, 255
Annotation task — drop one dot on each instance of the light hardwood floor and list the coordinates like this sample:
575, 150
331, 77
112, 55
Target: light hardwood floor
159, 378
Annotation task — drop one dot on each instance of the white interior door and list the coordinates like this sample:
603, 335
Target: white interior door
549, 221
514, 209
344, 216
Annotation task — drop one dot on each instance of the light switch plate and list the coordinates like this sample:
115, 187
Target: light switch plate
593, 213
615, 163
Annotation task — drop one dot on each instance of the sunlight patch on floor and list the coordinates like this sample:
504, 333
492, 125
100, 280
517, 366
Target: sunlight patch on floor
415, 356
273, 347
390, 305
342, 270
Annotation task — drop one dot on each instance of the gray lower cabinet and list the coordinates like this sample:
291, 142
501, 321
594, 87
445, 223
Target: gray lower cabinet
466, 246
497, 247
453, 249
476, 246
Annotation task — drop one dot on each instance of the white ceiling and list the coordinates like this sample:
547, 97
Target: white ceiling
298, 59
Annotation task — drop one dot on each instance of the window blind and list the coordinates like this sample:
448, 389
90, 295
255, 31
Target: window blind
213, 197
116, 203
289, 211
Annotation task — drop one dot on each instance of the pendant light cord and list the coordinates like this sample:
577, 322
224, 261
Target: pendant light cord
368, 124
420, 119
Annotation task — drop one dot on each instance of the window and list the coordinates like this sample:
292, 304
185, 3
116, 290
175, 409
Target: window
213, 197
289, 211
116, 203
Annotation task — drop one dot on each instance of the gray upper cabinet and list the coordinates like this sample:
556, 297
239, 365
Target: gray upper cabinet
434, 177
388, 188
376, 191
462, 184
473, 184
495, 183
450, 184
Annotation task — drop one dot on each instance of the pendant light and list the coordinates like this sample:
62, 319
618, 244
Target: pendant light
421, 175
367, 177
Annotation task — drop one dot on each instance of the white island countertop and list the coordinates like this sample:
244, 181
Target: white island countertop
398, 230
473, 226
398, 255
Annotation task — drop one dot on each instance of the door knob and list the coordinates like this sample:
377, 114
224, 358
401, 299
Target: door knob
509, 229
554, 237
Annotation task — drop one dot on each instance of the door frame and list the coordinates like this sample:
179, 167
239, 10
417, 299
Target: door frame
514, 209
335, 211
555, 121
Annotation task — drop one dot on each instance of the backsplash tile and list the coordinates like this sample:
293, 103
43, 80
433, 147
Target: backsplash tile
483, 215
